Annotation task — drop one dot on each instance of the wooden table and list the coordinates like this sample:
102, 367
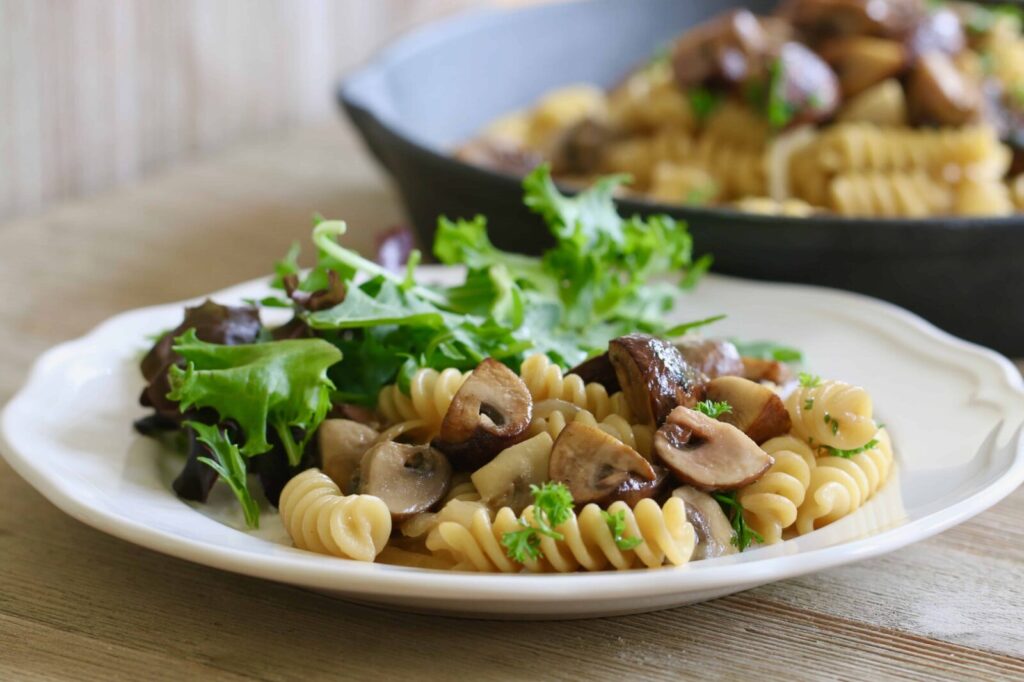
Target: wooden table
75, 603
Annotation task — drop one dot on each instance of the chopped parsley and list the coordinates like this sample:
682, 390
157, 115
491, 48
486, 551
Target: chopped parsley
847, 454
779, 109
698, 196
713, 409
809, 404
832, 423
809, 380
743, 535
703, 102
617, 525
552, 506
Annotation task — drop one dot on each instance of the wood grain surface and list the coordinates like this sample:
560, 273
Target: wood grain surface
96, 93
77, 604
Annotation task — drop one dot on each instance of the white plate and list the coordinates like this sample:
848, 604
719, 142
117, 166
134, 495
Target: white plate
68, 433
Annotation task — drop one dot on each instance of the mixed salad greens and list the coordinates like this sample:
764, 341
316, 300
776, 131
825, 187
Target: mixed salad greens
252, 398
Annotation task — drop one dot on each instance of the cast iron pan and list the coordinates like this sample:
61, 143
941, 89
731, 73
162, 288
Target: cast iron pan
432, 89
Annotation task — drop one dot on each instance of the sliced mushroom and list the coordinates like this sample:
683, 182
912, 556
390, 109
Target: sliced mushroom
885, 18
940, 31
594, 464
343, 443
883, 104
654, 376
488, 414
713, 357
634, 489
939, 93
409, 478
806, 84
729, 48
598, 369
579, 150
756, 410
708, 454
505, 481
758, 369
862, 61
714, 532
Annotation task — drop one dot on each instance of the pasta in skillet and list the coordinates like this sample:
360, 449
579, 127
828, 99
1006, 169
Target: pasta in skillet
913, 114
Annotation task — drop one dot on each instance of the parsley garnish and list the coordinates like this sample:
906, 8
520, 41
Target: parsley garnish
617, 525
698, 196
832, 422
809, 404
552, 506
809, 380
703, 102
743, 535
847, 454
779, 110
713, 409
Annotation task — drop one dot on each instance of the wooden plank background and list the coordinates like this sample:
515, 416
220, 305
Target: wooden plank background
95, 93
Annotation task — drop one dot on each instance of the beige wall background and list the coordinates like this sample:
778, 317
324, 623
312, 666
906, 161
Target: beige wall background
95, 93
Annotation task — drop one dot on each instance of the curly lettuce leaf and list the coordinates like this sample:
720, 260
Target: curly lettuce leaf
279, 384
230, 465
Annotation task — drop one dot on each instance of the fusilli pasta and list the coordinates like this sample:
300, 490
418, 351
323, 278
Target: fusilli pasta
430, 394
771, 503
640, 437
319, 518
545, 381
588, 542
832, 413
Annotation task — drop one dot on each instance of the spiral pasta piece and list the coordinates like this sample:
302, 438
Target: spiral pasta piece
546, 381
319, 518
640, 437
888, 195
587, 543
770, 504
864, 147
832, 413
840, 485
430, 394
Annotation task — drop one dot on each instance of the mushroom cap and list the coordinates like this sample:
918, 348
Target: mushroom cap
654, 376
505, 481
598, 370
707, 453
713, 357
490, 412
806, 84
343, 442
939, 93
634, 489
728, 48
756, 410
758, 369
593, 464
409, 478
714, 532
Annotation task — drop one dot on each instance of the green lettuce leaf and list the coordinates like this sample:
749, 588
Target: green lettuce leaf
279, 384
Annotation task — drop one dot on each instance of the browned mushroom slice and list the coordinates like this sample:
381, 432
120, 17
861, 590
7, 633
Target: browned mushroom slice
938, 93
499, 155
489, 413
940, 31
343, 443
579, 150
805, 84
714, 532
599, 370
885, 18
758, 369
728, 48
654, 376
505, 481
634, 489
708, 454
594, 464
862, 61
713, 357
756, 410
409, 478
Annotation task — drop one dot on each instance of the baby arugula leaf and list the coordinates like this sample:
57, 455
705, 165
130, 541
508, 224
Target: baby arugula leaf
279, 384
229, 463
768, 350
